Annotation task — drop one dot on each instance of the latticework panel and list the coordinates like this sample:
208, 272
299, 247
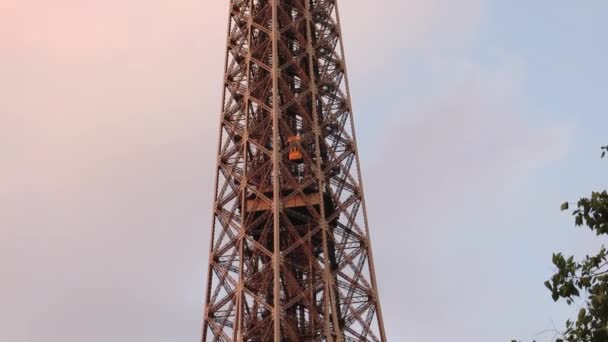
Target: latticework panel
290, 256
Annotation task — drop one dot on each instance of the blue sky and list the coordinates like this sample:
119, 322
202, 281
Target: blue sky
474, 123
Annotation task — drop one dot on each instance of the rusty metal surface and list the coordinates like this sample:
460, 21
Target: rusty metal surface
290, 256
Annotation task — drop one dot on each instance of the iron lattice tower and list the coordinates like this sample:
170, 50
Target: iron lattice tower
290, 255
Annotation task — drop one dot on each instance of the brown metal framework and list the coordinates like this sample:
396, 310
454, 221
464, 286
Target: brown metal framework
290, 255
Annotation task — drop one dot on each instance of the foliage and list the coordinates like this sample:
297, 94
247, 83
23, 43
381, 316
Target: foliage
586, 279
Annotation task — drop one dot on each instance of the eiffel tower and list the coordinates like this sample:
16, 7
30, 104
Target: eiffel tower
290, 253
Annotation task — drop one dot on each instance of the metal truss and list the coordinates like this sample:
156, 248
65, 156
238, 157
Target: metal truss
290, 256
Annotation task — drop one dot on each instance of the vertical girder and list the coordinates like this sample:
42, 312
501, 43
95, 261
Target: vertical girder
290, 254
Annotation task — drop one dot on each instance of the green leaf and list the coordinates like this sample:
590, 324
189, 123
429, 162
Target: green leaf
581, 314
589, 277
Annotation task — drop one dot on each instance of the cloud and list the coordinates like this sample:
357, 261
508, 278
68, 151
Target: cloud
443, 178
377, 33
448, 146
109, 117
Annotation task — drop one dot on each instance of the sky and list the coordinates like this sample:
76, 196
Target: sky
474, 123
